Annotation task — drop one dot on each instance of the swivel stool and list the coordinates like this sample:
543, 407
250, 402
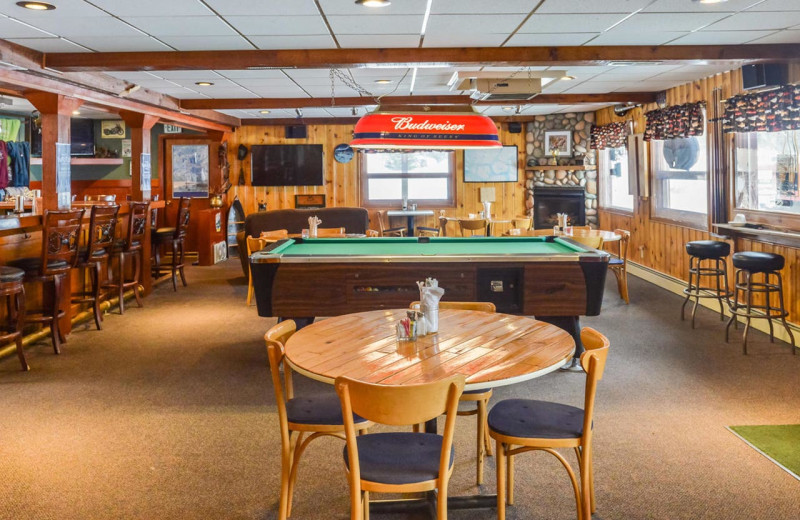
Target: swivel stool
707, 260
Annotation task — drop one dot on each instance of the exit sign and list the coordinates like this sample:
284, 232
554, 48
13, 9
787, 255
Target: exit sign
172, 129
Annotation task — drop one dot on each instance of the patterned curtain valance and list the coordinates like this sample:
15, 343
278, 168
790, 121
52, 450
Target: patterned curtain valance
612, 135
772, 111
676, 122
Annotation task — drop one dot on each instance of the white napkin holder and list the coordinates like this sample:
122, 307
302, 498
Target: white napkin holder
313, 224
429, 295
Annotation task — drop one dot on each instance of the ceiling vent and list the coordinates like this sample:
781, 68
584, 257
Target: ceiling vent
503, 85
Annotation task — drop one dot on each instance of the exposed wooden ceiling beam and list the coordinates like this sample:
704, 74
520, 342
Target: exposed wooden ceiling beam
541, 99
282, 121
453, 56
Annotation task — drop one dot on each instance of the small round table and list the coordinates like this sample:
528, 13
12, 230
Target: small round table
490, 349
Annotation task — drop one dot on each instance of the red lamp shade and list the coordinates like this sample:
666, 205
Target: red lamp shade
454, 130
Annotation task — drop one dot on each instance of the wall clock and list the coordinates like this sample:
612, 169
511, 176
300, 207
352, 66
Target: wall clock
343, 153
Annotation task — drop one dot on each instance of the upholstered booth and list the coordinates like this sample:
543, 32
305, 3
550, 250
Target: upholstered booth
354, 220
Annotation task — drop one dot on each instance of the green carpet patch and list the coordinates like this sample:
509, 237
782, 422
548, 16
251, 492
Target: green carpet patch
779, 443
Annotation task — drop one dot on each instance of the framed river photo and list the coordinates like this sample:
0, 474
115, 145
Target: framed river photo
189, 170
491, 164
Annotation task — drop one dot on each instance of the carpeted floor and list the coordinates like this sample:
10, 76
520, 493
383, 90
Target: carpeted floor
168, 413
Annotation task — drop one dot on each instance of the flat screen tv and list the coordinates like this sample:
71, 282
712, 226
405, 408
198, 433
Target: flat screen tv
286, 165
81, 137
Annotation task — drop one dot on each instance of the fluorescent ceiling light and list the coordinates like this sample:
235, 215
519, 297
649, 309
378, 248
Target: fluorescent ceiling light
373, 3
37, 6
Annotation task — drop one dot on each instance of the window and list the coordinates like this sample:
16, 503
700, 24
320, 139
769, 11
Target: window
426, 178
680, 180
614, 182
766, 171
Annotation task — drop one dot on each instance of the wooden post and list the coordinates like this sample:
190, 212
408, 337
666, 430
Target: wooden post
55, 110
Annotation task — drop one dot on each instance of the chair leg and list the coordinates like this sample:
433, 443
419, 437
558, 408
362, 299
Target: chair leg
510, 478
719, 290
356, 502
500, 450
286, 467
98, 267
768, 308
481, 415
749, 309
249, 286
441, 501
586, 465
688, 288
366, 505
174, 268
17, 313
137, 276
55, 333
783, 318
121, 292
183, 262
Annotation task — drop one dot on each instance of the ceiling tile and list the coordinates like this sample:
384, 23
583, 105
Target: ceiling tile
278, 25
66, 8
375, 24
279, 92
751, 21
13, 29
592, 87
675, 22
206, 43
639, 70
720, 37
346, 7
650, 86
86, 26
791, 36
121, 44
682, 6
549, 39
252, 74
262, 7
320, 41
777, 5
361, 41
591, 6
620, 37
194, 75
465, 39
133, 76
48, 44
169, 8
180, 25
478, 24
568, 23
266, 82
479, 7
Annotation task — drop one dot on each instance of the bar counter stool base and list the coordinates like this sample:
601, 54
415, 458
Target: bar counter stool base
701, 251
12, 289
748, 264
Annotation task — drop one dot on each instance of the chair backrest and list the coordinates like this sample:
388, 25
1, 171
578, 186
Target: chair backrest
591, 242
464, 306
276, 337
102, 229
382, 225
60, 238
182, 221
583, 228
622, 244
277, 234
546, 232
423, 231
257, 244
100, 198
137, 225
330, 232
522, 222
399, 405
472, 225
371, 233
593, 361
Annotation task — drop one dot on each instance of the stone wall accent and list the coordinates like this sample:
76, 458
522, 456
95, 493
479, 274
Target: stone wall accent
580, 124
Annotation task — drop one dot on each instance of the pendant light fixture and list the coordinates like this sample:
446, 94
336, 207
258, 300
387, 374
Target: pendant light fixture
399, 128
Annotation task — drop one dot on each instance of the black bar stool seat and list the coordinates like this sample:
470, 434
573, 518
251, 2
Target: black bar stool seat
707, 260
14, 292
748, 264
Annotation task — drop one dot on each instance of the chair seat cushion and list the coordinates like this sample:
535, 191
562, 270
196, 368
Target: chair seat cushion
399, 457
317, 409
758, 262
536, 419
163, 233
614, 260
99, 253
11, 274
34, 264
708, 248
121, 243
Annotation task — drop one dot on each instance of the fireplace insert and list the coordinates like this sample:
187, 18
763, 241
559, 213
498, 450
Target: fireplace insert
548, 202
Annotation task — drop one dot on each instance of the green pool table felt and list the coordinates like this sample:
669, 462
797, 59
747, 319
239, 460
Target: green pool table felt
436, 246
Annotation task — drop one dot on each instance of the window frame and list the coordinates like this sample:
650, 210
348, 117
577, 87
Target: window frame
450, 202
602, 184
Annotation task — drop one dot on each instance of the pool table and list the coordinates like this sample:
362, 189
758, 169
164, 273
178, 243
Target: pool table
552, 278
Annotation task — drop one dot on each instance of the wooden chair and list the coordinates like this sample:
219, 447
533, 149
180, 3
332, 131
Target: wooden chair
520, 425
582, 228
480, 397
443, 225
131, 247
384, 228
314, 415
253, 245
398, 462
100, 198
60, 237
176, 238
472, 225
102, 228
278, 234
619, 264
590, 242
330, 232
522, 222
13, 292
424, 231
371, 233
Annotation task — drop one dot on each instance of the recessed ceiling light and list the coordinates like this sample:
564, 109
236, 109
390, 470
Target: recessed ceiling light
37, 6
709, 1
373, 3
508, 109
383, 81
203, 83
263, 112
76, 112
567, 78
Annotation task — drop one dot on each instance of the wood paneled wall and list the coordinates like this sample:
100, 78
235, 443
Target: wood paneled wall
342, 184
660, 245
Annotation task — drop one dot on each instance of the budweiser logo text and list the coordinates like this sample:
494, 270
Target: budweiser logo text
406, 123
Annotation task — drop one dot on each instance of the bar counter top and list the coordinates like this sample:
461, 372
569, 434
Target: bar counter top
761, 233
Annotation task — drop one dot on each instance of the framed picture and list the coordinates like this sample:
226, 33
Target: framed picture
126, 148
491, 165
112, 129
313, 201
560, 140
189, 170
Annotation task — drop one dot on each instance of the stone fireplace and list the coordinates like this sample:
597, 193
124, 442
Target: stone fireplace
551, 200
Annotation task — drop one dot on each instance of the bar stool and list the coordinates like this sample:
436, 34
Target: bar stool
747, 264
712, 252
131, 246
60, 238
102, 225
14, 292
175, 236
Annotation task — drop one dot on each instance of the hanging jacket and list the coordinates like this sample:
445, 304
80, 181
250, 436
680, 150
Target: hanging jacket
3, 165
20, 154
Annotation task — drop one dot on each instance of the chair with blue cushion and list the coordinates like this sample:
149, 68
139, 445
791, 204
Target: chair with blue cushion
398, 462
521, 425
317, 415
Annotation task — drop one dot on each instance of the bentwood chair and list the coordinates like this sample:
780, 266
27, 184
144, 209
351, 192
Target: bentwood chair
469, 227
398, 462
176, 238
330, 232
102, 228
521, 425
479, 397
522, 222
314, 415
590, 242
425, 231
131, 248
60, 237
384, 228
253, 245
619, 263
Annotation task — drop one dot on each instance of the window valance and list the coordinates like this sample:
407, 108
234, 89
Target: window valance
612, 135
676, 122
772, 111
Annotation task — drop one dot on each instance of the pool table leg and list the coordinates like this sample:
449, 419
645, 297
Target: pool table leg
300, 322
571, 324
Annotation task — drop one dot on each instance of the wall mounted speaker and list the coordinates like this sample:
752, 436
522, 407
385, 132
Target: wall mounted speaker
514, 127
296, 132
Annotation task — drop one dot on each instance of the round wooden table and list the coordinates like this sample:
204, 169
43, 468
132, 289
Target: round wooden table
608, 236
489, 349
